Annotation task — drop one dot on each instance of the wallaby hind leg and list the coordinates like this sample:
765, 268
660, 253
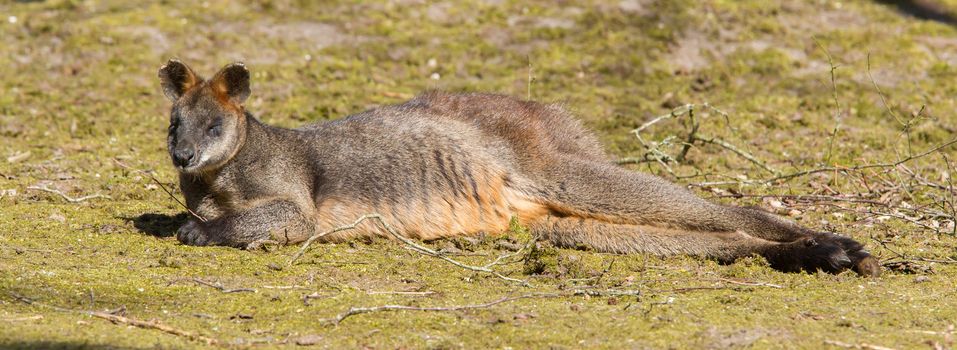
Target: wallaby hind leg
806, 254
609, 193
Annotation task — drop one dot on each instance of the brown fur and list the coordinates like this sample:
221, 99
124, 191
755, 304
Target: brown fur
445, 164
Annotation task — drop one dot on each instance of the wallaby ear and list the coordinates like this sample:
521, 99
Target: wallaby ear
177, 78
232, 82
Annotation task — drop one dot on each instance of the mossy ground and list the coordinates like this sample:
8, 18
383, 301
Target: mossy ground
79, 97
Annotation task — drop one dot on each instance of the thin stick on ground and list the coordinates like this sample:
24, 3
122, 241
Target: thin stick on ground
576, 292
160, 184
308, 242
22, 319
865, 346
65, 196
751, 284
117, 319
425, 293
430, 252
655, 154
221, 288
843, 169
411, 245
748, 156
902, 257
364, 310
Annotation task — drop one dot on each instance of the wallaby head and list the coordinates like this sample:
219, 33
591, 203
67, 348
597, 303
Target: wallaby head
207, 121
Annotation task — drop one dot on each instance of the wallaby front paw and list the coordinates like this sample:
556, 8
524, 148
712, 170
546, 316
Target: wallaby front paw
192, 233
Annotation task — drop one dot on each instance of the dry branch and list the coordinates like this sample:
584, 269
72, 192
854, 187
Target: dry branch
425, 293
22, 319
655, 154
221, 288
65, 196
751, 284
124, 320
384, 308
308, 242
893, 189
411, 245
364, 310
865, 346
160, 184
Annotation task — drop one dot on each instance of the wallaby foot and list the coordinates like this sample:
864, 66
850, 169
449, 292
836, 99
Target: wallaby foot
192, 233
822, 251
217, 232
861, 260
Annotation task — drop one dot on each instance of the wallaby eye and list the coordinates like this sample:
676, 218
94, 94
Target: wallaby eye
214, 129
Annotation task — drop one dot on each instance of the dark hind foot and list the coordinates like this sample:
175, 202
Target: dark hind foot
861, 261
825, 252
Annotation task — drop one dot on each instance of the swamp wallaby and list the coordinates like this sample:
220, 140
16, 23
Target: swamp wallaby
446, 164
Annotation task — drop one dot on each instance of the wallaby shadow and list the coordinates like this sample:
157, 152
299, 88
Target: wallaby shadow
158, 225
923, 9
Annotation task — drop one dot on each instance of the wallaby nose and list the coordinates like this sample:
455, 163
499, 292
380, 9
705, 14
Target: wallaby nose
182, 157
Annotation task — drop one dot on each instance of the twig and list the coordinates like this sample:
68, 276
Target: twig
750, 157
160, 184
598, 277
314, 295
576, 292
21, 319
844, 169
751, 284
654, 154
645, 158
604, 292
285, 287
364, 310
837, 102
66, 197
903, 257
124, 320
803, 197
879, 214
881, 93
427, 251
221, 288
308, 242
691, 135
414, 247
856, 346
401, 293
952, 200
499, 260
20, 250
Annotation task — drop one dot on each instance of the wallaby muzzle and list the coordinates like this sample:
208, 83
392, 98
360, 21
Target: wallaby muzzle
183, 157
